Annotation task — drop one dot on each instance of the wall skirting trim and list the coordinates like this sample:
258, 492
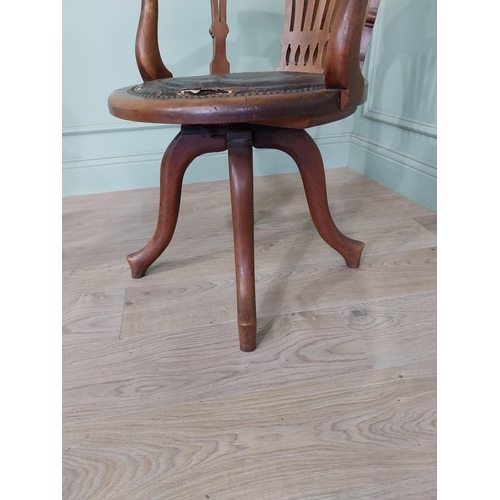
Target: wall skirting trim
397, 156
400, 122
112, 160
134, 171
112, 127
333, 139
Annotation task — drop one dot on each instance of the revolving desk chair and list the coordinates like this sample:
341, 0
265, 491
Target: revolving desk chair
318, 81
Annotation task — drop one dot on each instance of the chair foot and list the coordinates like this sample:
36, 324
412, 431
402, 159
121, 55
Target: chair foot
138, 263
301, 147
248, 337
352, 255
180, 153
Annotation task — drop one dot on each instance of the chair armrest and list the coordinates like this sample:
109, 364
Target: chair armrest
368, 29
342, 66
147, 52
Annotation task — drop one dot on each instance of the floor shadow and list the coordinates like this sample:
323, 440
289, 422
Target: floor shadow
275, 292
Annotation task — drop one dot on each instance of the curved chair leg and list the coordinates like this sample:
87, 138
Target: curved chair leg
241, 182
302, 148
180, 153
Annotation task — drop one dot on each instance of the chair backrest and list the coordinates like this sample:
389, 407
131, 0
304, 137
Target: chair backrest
305, 35
329, 37
320, 36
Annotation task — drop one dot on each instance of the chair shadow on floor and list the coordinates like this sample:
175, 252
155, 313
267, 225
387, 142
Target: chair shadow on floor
274, 292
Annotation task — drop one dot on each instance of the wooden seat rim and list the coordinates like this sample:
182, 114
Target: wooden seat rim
293, 110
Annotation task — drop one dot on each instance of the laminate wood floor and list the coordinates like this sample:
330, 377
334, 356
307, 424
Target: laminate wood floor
338, 401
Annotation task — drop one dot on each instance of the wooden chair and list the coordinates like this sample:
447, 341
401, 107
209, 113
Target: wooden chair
318, 81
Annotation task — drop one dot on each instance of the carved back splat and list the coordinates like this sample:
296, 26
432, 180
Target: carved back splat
219, 31
307, 28
305, 35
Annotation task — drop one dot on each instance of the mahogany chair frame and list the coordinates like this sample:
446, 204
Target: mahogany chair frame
326, 37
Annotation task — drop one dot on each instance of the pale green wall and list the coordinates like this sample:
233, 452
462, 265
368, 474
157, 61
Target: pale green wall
394, 136
101, 153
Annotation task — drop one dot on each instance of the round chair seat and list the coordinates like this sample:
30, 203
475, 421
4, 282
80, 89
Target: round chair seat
275, 98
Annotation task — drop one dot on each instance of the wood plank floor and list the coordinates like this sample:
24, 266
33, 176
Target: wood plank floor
338, 401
